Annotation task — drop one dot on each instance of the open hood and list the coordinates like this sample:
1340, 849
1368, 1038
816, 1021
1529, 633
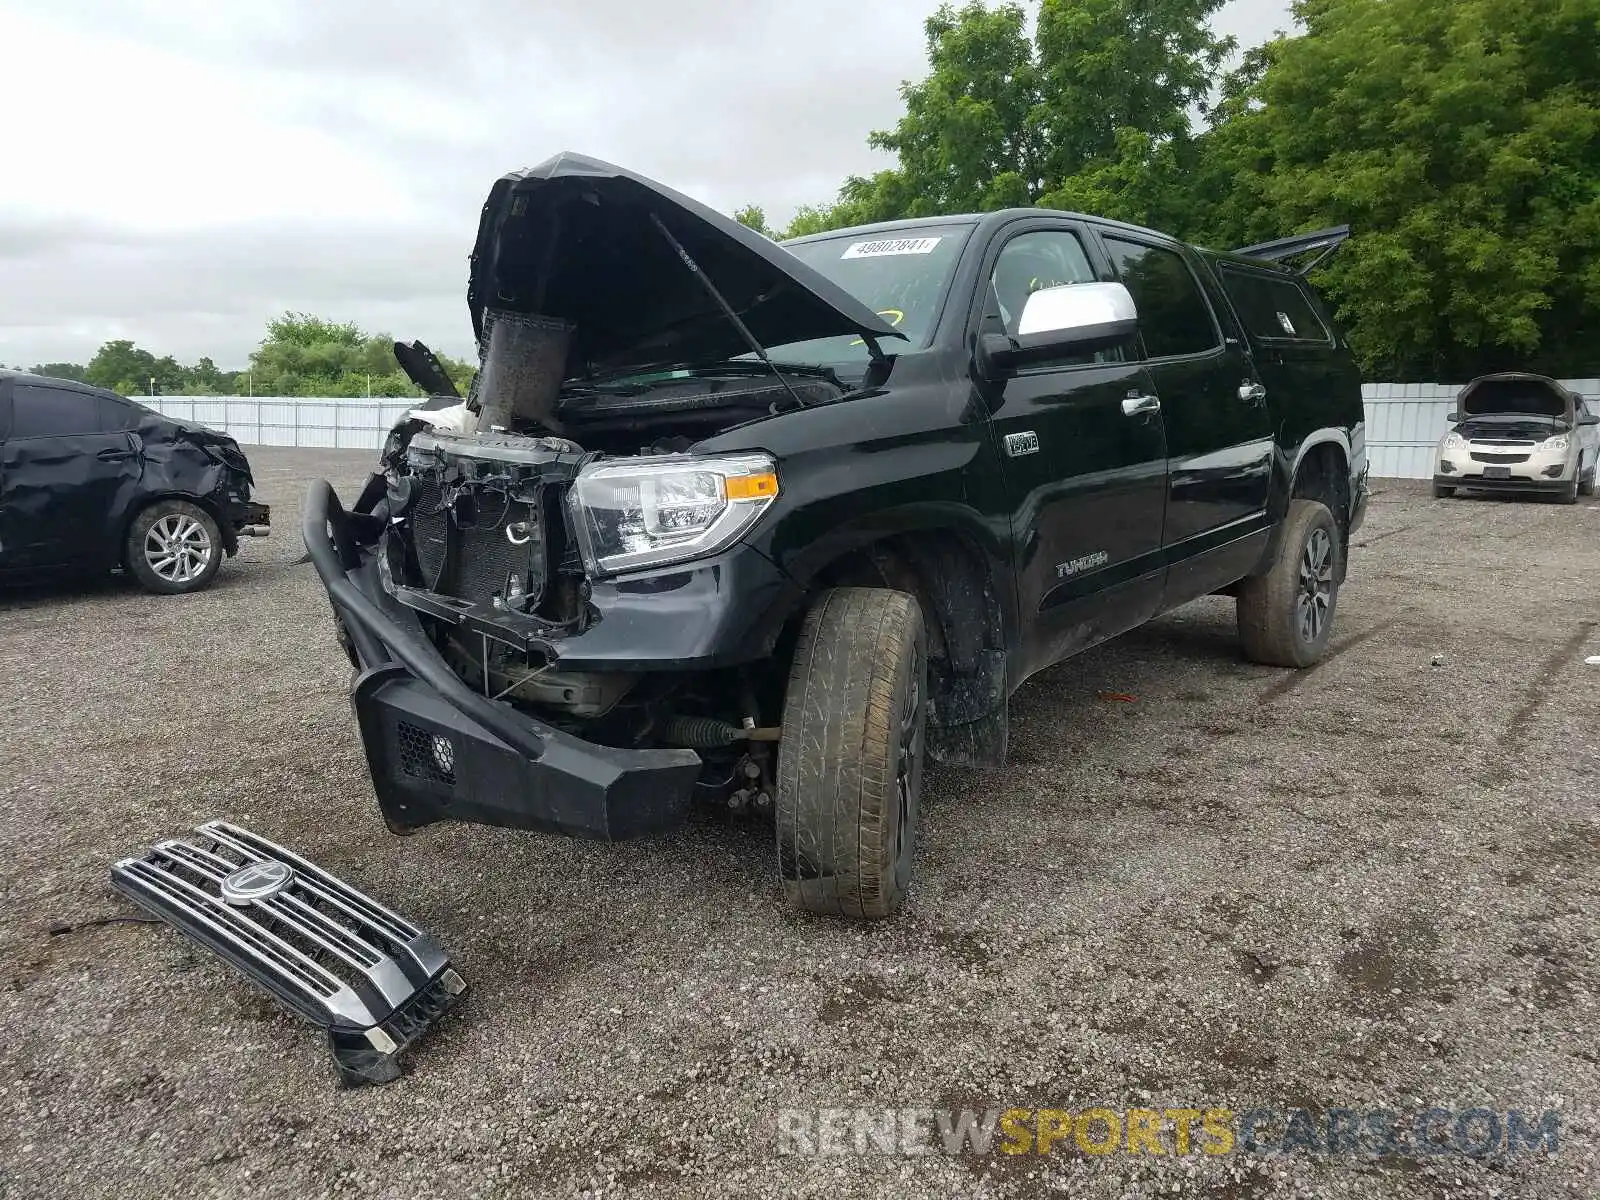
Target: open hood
574, 238
1519, 395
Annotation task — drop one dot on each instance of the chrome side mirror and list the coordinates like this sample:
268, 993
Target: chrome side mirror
1062, 322
1080, 313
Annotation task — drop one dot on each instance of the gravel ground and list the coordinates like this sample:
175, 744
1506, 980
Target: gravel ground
1372, 885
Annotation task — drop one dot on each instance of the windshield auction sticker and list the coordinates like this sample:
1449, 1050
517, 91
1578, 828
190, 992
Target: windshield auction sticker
888, 246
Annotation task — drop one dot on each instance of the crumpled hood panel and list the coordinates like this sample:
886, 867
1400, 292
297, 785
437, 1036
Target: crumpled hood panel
574, 238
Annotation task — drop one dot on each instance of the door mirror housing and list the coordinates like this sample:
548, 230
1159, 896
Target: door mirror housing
1589, 419
1456, 418
1057, 322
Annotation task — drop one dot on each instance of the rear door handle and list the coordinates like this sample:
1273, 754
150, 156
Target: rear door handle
1138, 406
1253, 393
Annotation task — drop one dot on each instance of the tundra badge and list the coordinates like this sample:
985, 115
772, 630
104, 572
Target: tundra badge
1018, 444
1077, 566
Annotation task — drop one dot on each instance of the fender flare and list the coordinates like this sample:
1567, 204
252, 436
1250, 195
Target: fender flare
902, 521
1322, 437
1279, 503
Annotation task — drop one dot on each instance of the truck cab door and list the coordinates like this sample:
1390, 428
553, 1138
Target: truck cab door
1081, 445
1221, 441
66, 468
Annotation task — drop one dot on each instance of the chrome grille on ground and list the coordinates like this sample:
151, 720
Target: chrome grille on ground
327, 952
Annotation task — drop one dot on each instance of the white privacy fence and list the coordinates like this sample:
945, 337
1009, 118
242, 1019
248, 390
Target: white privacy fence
1404, 421
288, 420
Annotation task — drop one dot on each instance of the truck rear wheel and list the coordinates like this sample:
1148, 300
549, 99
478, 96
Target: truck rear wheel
1286, 615
850, 762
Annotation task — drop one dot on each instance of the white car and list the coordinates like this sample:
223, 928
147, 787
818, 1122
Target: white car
1519, 433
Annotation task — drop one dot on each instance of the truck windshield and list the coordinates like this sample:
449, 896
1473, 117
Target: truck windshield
901, 276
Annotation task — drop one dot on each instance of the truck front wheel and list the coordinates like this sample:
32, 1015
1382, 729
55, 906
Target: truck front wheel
1286, 615
850, 762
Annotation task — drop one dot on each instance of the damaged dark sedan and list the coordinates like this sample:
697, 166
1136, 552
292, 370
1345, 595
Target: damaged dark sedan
769, 525
91, 481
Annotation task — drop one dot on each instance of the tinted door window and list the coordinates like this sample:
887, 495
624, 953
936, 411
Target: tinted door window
1272, 309
1030, 262
53, 412
117, 415
1173, 314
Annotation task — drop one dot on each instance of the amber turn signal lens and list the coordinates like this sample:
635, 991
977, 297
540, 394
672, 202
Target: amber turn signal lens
752, 487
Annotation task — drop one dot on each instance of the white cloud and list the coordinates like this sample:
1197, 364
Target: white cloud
191, 168
142, 137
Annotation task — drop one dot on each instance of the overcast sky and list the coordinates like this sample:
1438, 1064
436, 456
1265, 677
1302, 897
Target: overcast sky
179, 171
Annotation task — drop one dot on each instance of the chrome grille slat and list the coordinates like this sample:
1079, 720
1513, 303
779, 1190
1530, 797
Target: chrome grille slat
328, 952
324, 886
334, 936
288, 908
229, 921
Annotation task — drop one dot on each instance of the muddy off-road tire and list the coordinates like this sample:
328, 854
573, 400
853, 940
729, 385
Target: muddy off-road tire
173, 547
1586, 484
850, 762
1569, 494
1286, 615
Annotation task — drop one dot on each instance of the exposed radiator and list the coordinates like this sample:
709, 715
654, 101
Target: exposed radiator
482, 546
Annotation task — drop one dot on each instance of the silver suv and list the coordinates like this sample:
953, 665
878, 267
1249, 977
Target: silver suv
1519, 433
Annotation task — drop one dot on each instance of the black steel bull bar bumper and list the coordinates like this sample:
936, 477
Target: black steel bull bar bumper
438, 750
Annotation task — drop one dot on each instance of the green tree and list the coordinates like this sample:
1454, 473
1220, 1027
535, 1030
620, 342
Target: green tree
1095, 106
61, 370
307, 355
122, 367
1119, 78
1462, 141
752, 216
969, 139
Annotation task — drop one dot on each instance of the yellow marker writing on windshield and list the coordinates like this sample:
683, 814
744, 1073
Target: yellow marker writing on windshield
895, 317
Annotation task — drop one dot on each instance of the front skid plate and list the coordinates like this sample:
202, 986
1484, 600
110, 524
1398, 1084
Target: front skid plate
370, 979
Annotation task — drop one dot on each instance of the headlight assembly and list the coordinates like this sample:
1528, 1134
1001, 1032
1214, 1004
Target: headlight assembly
1454, 441
651, 511
1561, 441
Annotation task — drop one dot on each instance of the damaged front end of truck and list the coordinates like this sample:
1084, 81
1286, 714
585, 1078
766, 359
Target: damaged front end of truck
546, 590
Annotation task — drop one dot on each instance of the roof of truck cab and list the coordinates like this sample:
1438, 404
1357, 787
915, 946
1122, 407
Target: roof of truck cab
1000, 217
1006, 215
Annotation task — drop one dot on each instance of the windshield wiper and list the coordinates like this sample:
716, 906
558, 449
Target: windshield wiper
742, 366
723, 366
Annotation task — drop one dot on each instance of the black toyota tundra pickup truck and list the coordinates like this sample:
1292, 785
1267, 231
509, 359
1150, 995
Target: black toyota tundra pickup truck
768, 525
